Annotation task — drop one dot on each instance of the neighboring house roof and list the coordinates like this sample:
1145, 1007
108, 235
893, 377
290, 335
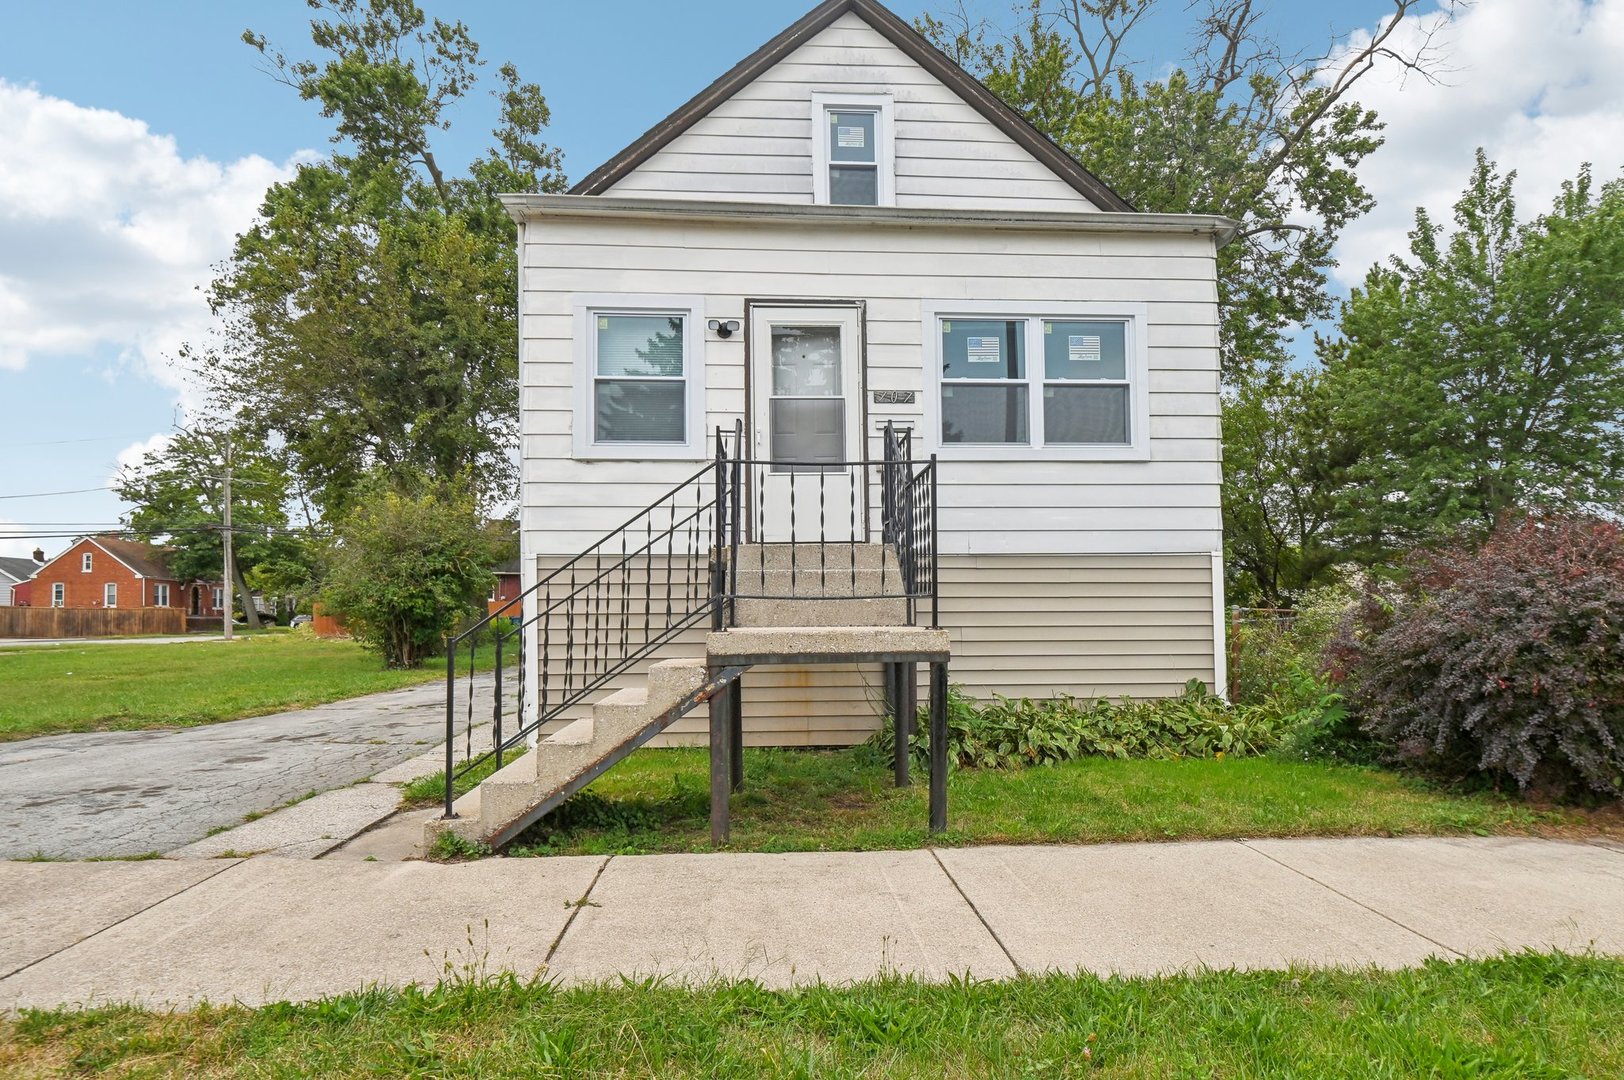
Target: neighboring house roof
18, 569
507, 569
143, 560
905, 38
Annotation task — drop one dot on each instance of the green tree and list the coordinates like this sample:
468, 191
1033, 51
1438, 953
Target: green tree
178, 495
1239, 128
1277, 496
370, 313
404, 570
1484, 373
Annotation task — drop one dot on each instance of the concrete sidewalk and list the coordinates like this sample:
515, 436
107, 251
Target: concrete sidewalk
173, 933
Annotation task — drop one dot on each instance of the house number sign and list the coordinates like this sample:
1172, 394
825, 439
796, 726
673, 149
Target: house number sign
894, 397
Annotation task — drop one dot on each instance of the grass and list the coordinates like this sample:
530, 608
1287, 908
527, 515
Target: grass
1526, 1016
46, 691
657, 801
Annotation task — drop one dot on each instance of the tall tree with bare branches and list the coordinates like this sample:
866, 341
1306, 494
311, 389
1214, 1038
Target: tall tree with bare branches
1241, 128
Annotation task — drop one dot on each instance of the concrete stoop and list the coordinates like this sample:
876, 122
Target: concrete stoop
521, 792
562, 763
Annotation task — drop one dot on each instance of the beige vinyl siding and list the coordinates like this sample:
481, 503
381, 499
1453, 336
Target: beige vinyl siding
1166, 504
1022, 626
757, 145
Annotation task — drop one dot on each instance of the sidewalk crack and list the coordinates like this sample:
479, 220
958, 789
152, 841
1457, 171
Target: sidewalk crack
119, 922
575, 909
982, 919
1358, 903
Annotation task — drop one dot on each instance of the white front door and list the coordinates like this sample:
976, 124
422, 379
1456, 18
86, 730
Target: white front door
807, 424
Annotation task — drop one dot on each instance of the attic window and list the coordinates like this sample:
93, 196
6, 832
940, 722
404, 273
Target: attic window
853, 159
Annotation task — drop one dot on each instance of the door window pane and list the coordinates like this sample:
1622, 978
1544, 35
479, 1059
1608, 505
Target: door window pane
984, 414
640, 345
634, 410
1085, 414
852, 135
983, 349
806, 431
1084, 350
806, 361
854, 185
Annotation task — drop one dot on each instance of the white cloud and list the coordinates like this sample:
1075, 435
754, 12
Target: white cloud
106, 232
1538, 85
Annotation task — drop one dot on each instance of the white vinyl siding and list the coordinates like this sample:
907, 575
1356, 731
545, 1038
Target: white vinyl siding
759, 144
1167, 503
5, 595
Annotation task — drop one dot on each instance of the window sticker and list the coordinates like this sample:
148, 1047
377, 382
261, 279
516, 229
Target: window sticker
1083, 348
984, 350
603, 322
849, 137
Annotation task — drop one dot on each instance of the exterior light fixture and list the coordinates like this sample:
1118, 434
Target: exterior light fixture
725, 328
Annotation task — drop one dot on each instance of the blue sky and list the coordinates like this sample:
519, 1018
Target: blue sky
150, 132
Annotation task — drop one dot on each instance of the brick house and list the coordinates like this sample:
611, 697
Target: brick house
110, 572
507, 588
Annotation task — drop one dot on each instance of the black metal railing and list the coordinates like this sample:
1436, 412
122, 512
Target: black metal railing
739, 529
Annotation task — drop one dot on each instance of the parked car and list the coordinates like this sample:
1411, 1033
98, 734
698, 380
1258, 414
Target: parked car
301, 620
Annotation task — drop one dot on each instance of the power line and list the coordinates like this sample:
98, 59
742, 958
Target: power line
44, 494
68, 442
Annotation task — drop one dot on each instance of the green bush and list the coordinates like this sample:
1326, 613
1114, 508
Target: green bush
404, 571
1010, 733
1278, 664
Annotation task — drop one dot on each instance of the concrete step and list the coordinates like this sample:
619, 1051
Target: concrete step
670, 681
820, 581
822, 612
761, 645
780, 556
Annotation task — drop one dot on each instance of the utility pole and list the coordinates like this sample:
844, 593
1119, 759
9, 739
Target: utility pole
230, 580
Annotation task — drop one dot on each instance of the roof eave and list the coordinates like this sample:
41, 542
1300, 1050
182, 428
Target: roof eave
529, 207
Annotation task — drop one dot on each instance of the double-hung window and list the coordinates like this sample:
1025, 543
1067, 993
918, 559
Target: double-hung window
160, 595
59, 594
1062, 380
639, 377
853, 160
110, 594
85, 563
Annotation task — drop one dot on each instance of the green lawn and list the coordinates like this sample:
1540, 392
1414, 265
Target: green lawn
657, 801
1522, 1017
49, 689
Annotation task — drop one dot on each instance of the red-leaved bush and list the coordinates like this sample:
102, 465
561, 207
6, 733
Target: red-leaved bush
1503, 658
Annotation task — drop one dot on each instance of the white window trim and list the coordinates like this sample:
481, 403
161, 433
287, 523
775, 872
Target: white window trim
587, 308
59, 594
885, 156
110, 594
219, 597
85, 562
1134, 316
160, 595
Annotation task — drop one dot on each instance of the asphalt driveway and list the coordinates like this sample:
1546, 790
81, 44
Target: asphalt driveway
131, 792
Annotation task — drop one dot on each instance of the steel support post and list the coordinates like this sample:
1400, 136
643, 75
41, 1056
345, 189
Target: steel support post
735, 731
720, 774
938, 747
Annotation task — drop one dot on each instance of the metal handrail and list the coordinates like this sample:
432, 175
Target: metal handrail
598, 583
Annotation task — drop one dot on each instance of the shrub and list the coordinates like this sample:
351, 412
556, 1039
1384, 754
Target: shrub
405, 570
1010, 733
1504, 660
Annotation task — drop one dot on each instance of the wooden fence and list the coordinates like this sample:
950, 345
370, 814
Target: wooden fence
49, 622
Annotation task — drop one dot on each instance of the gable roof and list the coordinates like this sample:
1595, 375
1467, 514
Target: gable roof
905, 38
18, 569
144, 560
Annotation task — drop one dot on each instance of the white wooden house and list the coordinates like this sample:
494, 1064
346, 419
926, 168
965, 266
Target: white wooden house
845, 232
